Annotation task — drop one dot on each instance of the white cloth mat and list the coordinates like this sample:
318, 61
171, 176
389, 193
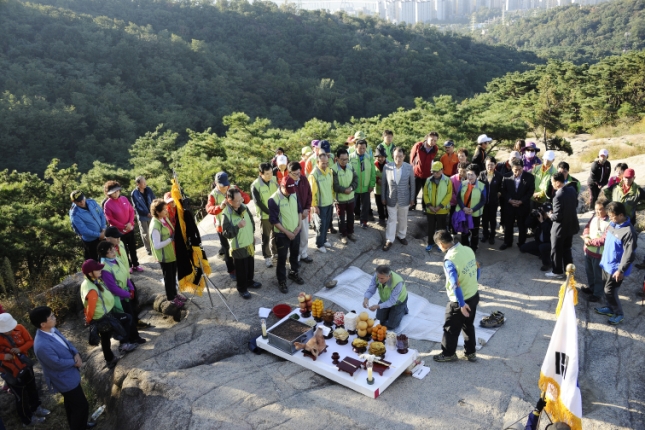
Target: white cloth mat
424, 320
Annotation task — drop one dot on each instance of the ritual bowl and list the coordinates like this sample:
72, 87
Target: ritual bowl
281, 311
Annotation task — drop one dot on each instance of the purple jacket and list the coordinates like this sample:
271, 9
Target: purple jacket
461, 222
456, 188
530, 163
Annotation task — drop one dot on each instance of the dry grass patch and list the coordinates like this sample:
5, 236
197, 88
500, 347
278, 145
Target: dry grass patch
616, 151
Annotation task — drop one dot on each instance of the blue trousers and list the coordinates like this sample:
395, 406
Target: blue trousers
325, 221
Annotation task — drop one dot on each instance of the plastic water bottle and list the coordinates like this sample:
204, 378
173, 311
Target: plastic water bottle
97, 413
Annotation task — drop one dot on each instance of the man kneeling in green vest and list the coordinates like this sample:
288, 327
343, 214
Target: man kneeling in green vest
393, 297
462, 286
239, 229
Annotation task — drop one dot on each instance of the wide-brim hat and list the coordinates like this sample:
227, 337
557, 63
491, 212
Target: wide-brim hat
7, 323
531, 145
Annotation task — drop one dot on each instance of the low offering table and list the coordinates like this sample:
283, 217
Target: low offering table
324, 364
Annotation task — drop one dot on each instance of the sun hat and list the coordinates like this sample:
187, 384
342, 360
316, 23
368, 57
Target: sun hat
359, 135
221, 178
549, 155
483, 139
7, 323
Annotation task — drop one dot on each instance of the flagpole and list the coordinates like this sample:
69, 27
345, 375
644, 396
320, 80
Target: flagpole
184, 198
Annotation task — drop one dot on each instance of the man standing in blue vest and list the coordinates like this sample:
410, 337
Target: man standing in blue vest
462, 286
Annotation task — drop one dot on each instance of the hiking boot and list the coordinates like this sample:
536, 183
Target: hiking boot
606, 310
295, 277
245, 294
128, 347
283, 287
322, 249
268, 262
351, 237
387, 246
429, 248
616, 319
112, 364
440, 358
307, 259
471, 357
403, 241
41, 412
343, 240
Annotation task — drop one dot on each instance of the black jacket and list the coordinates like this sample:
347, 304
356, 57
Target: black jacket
565, 214
493, 188
505, 169
599, 173
524, 191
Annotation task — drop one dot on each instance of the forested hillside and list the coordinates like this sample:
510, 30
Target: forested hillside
80, 80
575, 33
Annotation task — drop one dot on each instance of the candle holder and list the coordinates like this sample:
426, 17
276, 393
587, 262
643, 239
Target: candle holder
263, 322
335, 356
370, 376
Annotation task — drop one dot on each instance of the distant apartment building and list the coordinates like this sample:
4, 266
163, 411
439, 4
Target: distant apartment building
423, 11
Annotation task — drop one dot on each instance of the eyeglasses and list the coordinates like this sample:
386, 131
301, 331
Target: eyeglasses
530, 150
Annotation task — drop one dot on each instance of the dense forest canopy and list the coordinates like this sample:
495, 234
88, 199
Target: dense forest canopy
80, 80
575, 33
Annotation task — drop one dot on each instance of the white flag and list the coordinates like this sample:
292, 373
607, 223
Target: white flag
559, 373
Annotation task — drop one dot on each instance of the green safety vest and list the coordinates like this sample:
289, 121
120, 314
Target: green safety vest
325, 185
475, 196
108, 298
244, 236
542, 181
364, 175
434, 194
345, 177
464, 260
219, 198
123, 257
385, 291
388, 151
597, 228
120, 274
266, 191
289, 217
167, 253
377, 184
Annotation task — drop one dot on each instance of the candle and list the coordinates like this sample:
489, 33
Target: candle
369, 373
264, 328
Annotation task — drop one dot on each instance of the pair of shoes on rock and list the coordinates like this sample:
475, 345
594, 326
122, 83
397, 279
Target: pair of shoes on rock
495, 319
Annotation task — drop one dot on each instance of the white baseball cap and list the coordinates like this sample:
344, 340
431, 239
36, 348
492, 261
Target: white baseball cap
483, 139
603, 152
282, 159
549, 155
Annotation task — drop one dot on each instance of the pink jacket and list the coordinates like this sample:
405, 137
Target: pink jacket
456, 187
119, 212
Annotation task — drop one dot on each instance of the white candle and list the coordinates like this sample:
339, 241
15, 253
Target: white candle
264, 328
369, 373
